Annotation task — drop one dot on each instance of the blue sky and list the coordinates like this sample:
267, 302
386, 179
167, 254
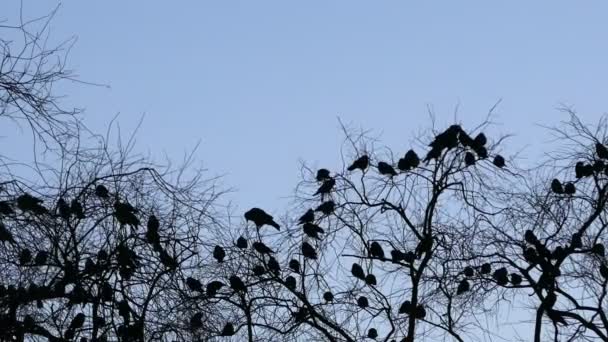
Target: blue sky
262, 83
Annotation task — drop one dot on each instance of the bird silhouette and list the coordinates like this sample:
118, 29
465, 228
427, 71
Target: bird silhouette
499, 161
501, 276
409, 161
480, 139
237, 284
556, 186
259, 217
372, 333
598, 249
77, 209
322, 174
601, 151
598, 166
101, 191
5, 234
576, 241
468, 272
124, 310
420, 311
556, 317
362, 302
370, 279
77, 321
241, 242
516, 279
228, 330
312, 230
167, 260
376, 251
386, 169
196, 321
308, 217
447, 139
25, 257
218, 253
153, 226
273, 266
327, 207
469, 159
290, 283
357, 271
328, 296
465, 139
63, 209
406, 308
308, 251
29, 203
125, 214
360, 163
569, 188
261, 248
558, 253
531, 256
424, 246
530, 238
485, 268
294, 265
579, 169
326, 187
213, 287
434, 153
194, 285
409, 257
6, 208
258, 270
153, 223
41, 258
463, 287
481, 152
604, 270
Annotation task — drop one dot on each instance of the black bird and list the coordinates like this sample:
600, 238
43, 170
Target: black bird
241, 242
598, 166
409, 257
64, 209
386, 169
468, 272
261, 248
259, 217
258, 270
372, 333
424, 246
125, 214
357, 271
604, 270
41, 258
6, 208
77, 209
312, 230
360, 163
434, 153
469, 159
213, 287
101, 191
516, 279
463, 287
530, 237
326, 207
328, 296
77, 321
294, 265
308, 251
290, 283
576, 240
326, 187
196, 321
486, 268
322, 174
579, 169
370, 279
5, 234
499, 161
308, 217
447, 139
29, 203
601, 151
409, 161
406, 308
153, 223
194, 284
598, 249
25, 256
480, 139
362, 302
531, 256
481, 151
376, 251
228, 330
124, 310
558, 253
501, 276
569, 188
465, 139
420, 311
167, 260
237, 284
273, 266
89, 267
556, 317
219, 254
397, 255
556, 186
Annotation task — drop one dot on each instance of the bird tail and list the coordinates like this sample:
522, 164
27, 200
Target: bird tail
351, 168
276, 225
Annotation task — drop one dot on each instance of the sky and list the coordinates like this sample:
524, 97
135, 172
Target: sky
261, 84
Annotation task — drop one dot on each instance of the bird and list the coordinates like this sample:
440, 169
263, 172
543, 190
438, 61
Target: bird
469, 159
604, 270
261, 248
63, 209
481, 152
447, 139
420, 311
101, 191
322, 174
5, 234
41, 258
579, 169
485, 268
153, 223
386, 169
376, 251
362, 302
598, 249
312, 230
397, 255
228, 330
598, 166
327, 207
501, 276
531, 256
360, 163
218, 253
530, 238
558, 253
29, 203
125, 214
196, 321
480, 139
516, 279
357, 271
372, 333
308, 251
434, 153
237, 284
77, 209
601, 151
556, 186
424, 246
290, 283
167, 260
576, 241
325, 187
409, 161
406, 308
273, 266
569, 188
213, 287
6, 208
241, 242
308, 217
409, 257
259, 217
25, 256
465, 139
194, 284
463, 287
124, 310
370, 279
77, 321
294, 265
328, 296
499, 161
468, 272
258, 270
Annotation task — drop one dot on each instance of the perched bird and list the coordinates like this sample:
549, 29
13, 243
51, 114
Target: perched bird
501, 276
465, 139
6, 208
480, 139
469, 159
63, 209
89, 267
376, 251
409, 161
463, 287
241, 242
372, 333
499, 161
124, 310
397, 255
406, 308
357, 271
101, 191
294, 265
237, 284
569, 188
41, 258
77, 209
258, 270
558, 253
326, 187
106, 292
576, 241
290, 283
328, 296
77, 321
598, 166
579, 169
167, 260
409, 257
370, 279
362, 302
386, 169
308, 217
261, 248
25, 257
228, 330
194, 284
424, 246
360, 163
486, 268
604, 270
481, 152
273, 266
516, 279
601, 151
530, 237
213, 287
556, 186
125, 214
434, 153
326, 207
468, 272
308, 251
29, 203
598, 249
259, 217
322, 174
153, 223
196, 321
531, 256
420, 312
312, 230
218, 253
447, 139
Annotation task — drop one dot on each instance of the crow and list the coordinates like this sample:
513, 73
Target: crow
372, 333
469, 159
326, 187
5, 234
357, 271
153, 223
326, 207
409, 161
77, 209
101, 191
312, 230
194, 285
259, 217
228, 330
420, 311
360, 163
434, 153
25, 256
29, 203
480, 139
569, 188
501, 276
241, 242
485, 268
481, 151
213, 287
219, 254
328, 296
556, 186
598, 249
6, 208
309, 216
294, 265
261, 248
196, 321
530, 238
397, 255
598, 166
386, 169
322, 174
77, 321
125, 214
424, 246
41, 258
237, 284
499, 161
601, 151
290, 283
468, 272
604, 270
273, 266
376, 251
579, 169
516, 279
406, 308
63, 208
370, 279
463, 287
308, 251
576, 240
258, 270
465, 139
362, 302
